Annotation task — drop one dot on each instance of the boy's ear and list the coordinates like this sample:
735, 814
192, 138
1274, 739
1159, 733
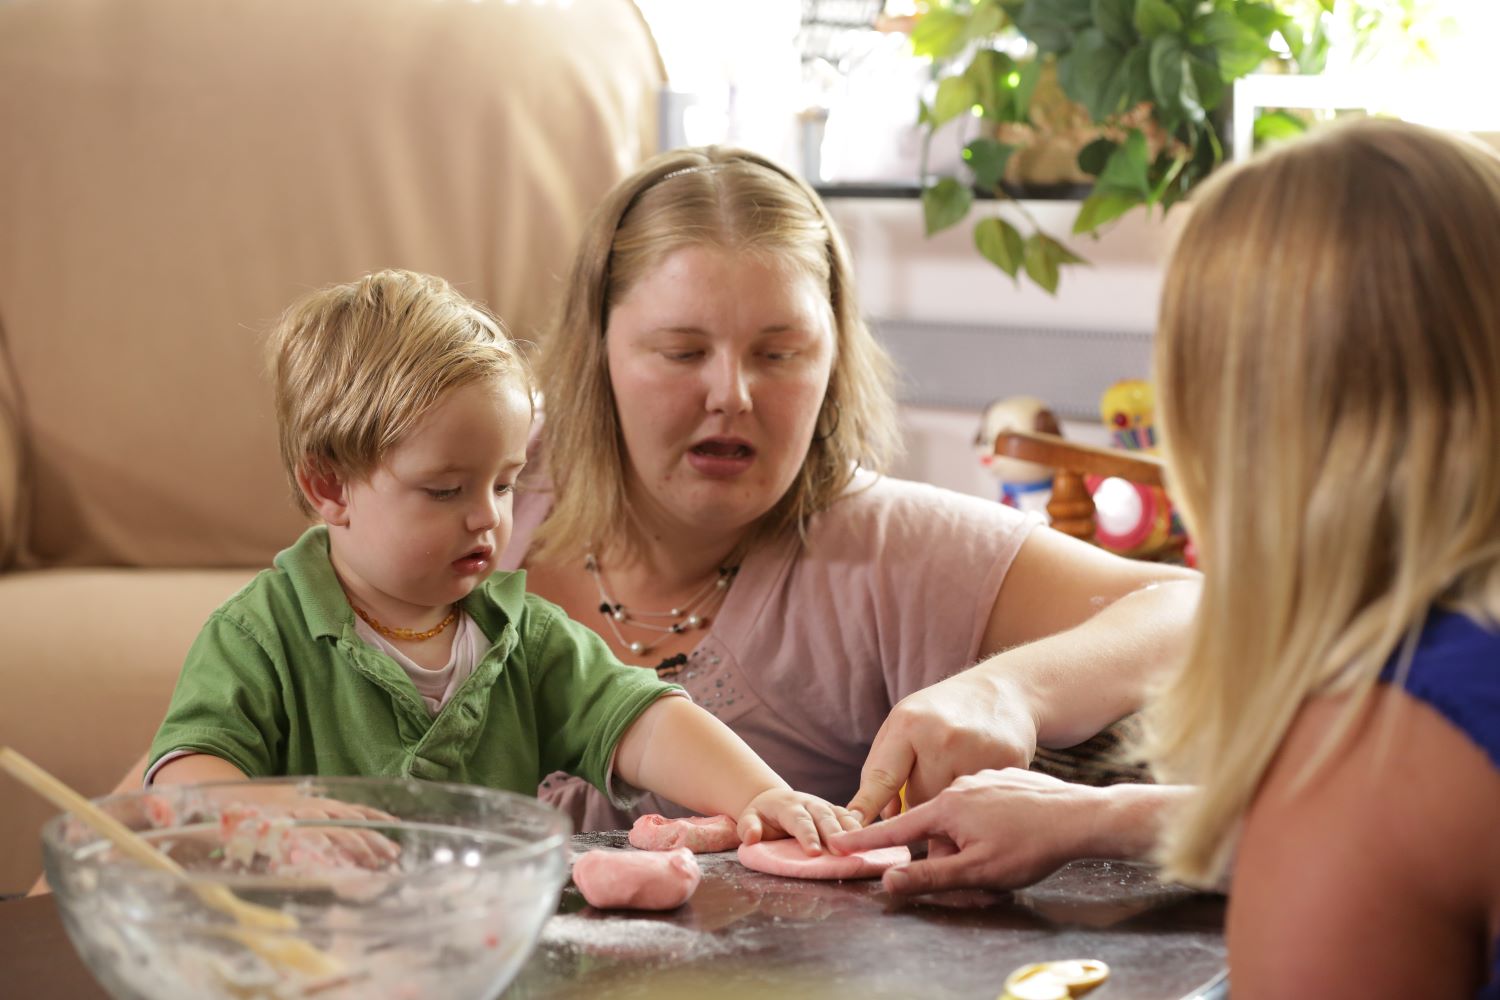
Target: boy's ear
326, 492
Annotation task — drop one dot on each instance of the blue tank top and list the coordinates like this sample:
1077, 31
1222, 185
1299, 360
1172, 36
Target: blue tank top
1456, 670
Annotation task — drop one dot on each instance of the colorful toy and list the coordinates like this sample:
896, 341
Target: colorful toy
1132, 519
1129, 411
1023, 485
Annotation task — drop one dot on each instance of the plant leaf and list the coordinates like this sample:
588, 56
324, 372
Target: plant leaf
1263, 19
1103, 205
1000, 243
1192, 105
1094, 73
955, 96
1276, 126
1051, 24
1215, 147
1021, 100
1313, 56
1154, 18
1044, 257
1159, 193
1093, 157
944, 204
1206, 81
1062, 253
1138, 75
1296, 41
1041, 265
938, 34
986, 19
1041, 268
1125, 171
1113, 17
988, 72
987, 158
1166, 76
1239, 47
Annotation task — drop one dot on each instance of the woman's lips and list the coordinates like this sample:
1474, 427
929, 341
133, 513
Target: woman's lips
721, 458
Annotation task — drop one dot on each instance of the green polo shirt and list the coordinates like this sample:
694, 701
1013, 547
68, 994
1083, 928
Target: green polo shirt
278, 682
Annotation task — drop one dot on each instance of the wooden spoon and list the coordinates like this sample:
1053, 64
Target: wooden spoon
258, 925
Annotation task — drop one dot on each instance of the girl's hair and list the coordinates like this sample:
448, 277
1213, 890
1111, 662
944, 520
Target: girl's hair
1328, 367
736, 202
356, 366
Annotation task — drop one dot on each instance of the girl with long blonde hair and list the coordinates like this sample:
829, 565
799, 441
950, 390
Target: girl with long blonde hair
1328, 364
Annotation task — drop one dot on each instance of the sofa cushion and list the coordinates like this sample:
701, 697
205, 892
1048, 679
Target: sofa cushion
90, 658
177, 172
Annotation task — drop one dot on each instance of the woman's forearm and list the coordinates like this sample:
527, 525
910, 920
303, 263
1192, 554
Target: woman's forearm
1130, 822
1077, 682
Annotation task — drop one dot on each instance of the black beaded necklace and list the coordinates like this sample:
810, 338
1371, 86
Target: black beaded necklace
693, 614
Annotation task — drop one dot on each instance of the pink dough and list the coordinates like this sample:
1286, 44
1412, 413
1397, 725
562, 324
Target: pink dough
637, 880
699, 834
786, 857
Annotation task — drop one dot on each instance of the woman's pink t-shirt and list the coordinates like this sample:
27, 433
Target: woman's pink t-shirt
814, 644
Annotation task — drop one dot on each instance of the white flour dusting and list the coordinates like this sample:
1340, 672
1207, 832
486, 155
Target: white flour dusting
624, 936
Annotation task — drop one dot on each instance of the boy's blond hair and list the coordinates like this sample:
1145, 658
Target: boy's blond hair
357, 365
1328, 366
724, 199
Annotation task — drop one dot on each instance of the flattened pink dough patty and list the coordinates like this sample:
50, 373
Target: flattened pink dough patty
637, 880
786, 857
699, 834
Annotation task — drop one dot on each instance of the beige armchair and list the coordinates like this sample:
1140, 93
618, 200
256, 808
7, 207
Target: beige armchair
174, 173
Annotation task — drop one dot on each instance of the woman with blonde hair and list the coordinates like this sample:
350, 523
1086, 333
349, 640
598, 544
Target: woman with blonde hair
705, 492
1328, 367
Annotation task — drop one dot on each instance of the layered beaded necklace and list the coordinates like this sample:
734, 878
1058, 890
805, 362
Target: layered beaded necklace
692, 614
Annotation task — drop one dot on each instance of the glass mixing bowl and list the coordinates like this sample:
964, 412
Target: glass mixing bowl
412, 889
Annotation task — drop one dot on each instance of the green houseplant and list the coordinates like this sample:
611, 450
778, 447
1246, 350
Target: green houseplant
1147, 81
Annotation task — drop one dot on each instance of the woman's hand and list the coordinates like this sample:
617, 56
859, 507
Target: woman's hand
965, 724
796, 814
1080, 635
1010, 828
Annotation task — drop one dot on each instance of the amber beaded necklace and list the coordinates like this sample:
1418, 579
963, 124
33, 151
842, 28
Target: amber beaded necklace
407, 634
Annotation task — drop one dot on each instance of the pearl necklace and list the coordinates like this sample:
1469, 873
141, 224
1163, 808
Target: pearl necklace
676, 621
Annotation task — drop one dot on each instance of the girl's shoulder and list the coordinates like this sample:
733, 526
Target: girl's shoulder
1451, 637
1386, 852
1455, 669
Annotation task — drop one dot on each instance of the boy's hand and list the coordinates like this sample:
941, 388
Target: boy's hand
794, 814
365, 848
285, 827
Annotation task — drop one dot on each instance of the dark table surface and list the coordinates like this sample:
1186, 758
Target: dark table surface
744, 934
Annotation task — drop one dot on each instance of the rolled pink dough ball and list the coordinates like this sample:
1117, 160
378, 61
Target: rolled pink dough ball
699, 834
787, 858
637, 880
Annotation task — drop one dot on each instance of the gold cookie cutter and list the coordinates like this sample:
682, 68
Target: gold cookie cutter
1060, 980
